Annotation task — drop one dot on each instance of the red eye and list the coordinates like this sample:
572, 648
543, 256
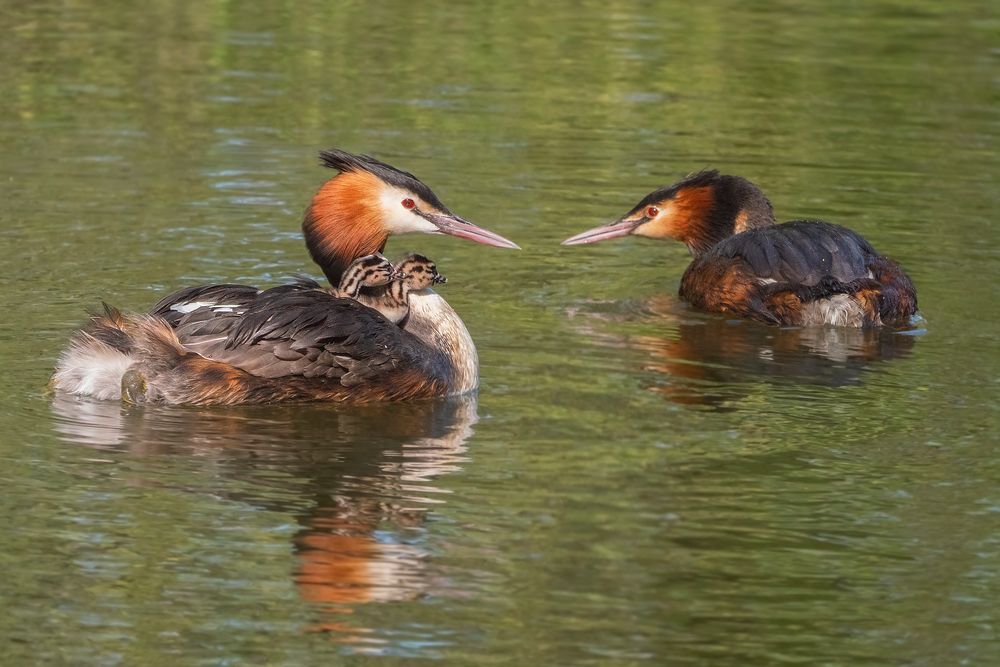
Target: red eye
407, 203
652, 212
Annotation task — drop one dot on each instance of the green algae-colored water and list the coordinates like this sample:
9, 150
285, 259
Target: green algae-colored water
636, 483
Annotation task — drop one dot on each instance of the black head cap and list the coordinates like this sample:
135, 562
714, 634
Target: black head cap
705, 178
346, 162
415, 257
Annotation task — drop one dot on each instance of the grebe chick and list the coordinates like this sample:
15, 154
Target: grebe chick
800, 273
369, 271
413, 273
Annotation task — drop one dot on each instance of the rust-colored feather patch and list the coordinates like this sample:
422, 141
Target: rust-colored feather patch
740, 222
343, 222
683, 217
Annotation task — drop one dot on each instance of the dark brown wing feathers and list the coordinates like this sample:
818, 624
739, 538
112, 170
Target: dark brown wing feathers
800, 252
298, 338
768, 273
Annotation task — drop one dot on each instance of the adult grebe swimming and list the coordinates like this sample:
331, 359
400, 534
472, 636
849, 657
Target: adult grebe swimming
228, 344
803, 272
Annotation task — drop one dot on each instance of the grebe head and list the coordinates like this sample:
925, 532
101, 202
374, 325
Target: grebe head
355, 212
417, 272
699, 210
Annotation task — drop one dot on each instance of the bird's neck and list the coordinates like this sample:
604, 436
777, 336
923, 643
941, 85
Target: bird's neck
435, 323
342, 223
738, 205
398, 291
391, 301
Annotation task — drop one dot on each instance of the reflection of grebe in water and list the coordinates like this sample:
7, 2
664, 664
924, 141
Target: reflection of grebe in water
707, 360
368, 475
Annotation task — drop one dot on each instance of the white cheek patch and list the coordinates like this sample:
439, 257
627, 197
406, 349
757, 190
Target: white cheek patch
400, 220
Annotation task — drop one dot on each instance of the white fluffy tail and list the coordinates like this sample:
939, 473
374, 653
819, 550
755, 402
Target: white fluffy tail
91, 367
101, 353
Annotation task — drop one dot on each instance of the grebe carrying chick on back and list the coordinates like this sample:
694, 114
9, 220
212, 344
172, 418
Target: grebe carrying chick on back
800, 273
228, 344
412, 272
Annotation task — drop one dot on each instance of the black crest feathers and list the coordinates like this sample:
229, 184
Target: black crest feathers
343, 161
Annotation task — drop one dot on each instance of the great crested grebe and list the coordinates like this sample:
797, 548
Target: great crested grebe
804, 272
228, 344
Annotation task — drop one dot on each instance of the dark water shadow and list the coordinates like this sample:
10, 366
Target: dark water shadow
707, 360
360, 481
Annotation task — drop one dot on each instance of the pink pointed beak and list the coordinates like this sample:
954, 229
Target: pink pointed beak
452, 225
612, 230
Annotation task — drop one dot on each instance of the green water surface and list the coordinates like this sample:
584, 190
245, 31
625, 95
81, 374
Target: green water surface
636, 483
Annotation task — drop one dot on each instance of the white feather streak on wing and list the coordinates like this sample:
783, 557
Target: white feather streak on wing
186, 307
189, 306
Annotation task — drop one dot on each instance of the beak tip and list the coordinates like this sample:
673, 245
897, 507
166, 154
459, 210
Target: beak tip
501, 242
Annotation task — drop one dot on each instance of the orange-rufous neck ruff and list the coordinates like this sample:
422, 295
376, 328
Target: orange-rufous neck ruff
343, 222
